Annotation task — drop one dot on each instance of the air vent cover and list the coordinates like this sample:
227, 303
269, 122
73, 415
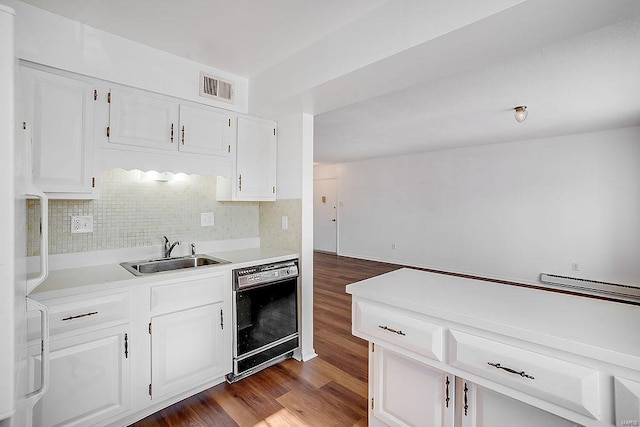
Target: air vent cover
216, 88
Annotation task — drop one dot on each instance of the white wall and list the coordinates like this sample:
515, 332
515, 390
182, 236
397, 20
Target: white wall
289, 156
295, 181
53, 40
507, 211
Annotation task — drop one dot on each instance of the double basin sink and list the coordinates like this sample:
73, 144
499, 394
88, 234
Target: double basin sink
141, 268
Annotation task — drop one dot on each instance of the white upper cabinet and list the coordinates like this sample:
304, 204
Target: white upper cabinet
142, 119
255, 167
256, 158
58, 119
205, 130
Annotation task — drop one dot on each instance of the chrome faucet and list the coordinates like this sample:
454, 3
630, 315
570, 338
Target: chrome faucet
169, 247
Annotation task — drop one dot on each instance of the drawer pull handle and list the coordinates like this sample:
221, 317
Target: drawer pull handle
511, 371
386, 328
81, 315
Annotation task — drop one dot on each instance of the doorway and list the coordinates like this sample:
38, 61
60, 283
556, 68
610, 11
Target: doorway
325, 215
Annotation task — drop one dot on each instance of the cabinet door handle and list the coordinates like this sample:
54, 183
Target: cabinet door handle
395, 331
447, 399
466, 400
34, 396
172, 133
182, 135
240, 183
126, 346
80, 315
511, 371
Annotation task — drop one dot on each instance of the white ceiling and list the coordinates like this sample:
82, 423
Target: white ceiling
575, 64
586, 83
242, 37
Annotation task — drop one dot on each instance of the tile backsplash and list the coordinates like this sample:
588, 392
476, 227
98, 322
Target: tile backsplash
271, 232
136, 211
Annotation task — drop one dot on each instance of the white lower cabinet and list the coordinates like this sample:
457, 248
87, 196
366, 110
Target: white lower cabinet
190, 333
554, 380
107, 348
187, 349
90, 378
627, 394
480, 407
404, 392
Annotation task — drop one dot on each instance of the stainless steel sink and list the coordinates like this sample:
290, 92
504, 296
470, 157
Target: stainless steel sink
153, 266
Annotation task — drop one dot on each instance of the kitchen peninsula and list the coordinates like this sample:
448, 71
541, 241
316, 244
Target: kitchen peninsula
475, 350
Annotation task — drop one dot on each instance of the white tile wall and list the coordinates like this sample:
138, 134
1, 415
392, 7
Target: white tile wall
136, 211
271, 232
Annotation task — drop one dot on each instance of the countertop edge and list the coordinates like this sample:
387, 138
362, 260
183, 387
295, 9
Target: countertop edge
391, 294
77, 281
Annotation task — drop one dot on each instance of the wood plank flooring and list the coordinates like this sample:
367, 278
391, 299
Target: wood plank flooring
330, 390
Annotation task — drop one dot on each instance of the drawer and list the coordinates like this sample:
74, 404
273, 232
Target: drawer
66, 315
188, 294
562, 383
374, 321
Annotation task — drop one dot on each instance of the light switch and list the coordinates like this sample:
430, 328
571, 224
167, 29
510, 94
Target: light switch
285, 222
207, 219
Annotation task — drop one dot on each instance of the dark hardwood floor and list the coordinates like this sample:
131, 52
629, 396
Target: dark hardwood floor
329, 390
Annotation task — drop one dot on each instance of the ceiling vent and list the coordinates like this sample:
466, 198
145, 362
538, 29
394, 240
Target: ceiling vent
216, 88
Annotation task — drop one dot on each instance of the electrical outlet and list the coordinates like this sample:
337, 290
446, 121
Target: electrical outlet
393, 246
285, 222
207, 219
575, 266
82, 224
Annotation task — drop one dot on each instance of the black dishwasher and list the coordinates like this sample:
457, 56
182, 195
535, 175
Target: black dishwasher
265, 299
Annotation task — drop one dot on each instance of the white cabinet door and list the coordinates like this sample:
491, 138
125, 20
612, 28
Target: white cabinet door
205, 130
188, 349
627, 406
59, 120
139, 118
481, 407
89, 378
256, 159
408, 393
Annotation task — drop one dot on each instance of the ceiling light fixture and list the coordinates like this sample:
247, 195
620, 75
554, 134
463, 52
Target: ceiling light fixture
520, 113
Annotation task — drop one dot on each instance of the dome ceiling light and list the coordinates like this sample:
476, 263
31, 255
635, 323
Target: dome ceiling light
520, 113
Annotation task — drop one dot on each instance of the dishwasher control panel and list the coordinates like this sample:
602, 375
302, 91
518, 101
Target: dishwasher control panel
266, 273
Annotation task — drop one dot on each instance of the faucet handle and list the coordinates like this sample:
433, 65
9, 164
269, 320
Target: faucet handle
166, 241
193, 249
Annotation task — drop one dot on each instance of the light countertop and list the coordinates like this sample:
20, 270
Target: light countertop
578, 324
73, 281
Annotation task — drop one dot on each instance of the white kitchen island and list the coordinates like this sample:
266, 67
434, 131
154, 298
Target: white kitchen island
447, 350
